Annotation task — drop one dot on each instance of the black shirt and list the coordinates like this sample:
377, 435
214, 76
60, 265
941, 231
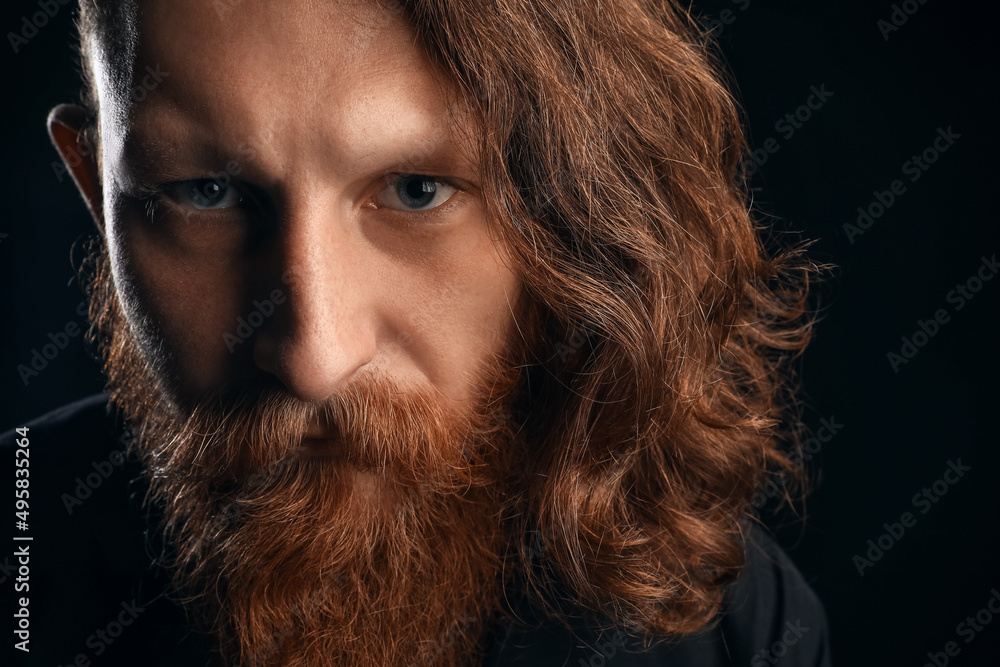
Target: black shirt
96, 597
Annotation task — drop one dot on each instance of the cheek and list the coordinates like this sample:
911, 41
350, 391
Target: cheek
181, 304
459, 307
442, 298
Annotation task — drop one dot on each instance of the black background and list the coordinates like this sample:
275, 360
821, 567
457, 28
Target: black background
899, 429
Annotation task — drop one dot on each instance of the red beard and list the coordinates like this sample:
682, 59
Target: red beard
388, 553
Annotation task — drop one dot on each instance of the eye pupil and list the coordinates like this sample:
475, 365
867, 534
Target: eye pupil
416, 191
206, 193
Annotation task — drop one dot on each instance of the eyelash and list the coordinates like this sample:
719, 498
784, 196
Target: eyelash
154, 198
423, 215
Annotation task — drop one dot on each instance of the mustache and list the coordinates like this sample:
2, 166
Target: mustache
293, 559
376, 425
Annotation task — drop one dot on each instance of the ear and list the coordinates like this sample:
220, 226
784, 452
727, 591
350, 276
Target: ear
66, 123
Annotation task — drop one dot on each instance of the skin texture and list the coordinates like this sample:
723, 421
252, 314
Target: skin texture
655, 351
334, 507
308, 111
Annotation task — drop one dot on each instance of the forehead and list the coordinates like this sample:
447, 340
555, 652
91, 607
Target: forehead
320, 77
267, 44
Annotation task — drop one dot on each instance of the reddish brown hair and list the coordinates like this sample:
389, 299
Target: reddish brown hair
611, 166
657, 398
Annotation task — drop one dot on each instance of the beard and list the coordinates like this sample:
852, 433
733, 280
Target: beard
389, 552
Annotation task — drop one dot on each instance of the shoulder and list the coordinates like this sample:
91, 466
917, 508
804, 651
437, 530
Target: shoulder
69, 454
89, 581
770, 616
87, 413
771, 613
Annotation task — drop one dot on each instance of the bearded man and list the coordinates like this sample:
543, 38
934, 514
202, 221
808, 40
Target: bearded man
444, 336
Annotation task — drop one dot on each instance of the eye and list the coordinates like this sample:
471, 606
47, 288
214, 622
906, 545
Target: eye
204, 194
412, 192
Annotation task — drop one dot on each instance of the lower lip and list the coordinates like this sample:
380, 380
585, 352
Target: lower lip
320, 447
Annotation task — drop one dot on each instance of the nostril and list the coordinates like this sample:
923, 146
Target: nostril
266, 351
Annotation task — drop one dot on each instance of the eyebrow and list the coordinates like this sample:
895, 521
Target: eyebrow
168, 148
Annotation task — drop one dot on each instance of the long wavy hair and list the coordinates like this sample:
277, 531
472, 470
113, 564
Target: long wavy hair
660, 387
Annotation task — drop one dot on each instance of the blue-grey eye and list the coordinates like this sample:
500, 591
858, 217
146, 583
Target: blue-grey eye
412, 192
205, 194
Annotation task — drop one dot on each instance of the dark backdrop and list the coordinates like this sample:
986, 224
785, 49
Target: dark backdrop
881, 94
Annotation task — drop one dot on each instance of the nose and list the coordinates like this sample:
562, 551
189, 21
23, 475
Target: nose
325, 331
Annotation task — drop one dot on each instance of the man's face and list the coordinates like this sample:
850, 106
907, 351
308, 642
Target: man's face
288, 196
294, 224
